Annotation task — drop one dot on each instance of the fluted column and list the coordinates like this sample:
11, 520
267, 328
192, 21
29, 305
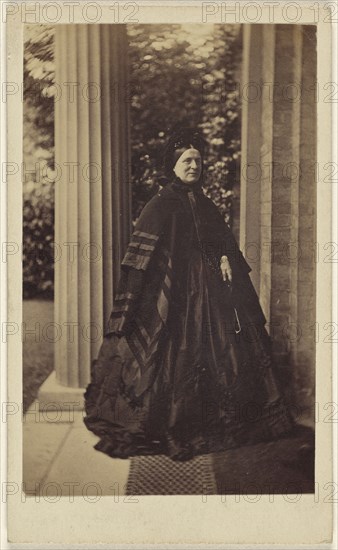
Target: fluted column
92, 192
250, 161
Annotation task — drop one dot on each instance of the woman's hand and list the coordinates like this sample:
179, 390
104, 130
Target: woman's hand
226, 269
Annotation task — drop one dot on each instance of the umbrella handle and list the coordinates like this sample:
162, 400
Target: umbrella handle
238, 323
239, 328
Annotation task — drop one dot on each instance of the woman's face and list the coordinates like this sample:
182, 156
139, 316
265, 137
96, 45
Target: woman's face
189, 166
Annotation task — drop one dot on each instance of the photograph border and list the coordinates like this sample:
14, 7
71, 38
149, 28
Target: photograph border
283, 519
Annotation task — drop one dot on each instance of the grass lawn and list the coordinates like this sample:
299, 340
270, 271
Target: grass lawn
38, 352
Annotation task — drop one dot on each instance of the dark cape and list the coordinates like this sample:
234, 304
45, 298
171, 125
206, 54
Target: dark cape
185, 366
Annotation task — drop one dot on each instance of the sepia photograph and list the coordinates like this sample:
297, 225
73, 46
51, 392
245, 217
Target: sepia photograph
169, 247
171, 259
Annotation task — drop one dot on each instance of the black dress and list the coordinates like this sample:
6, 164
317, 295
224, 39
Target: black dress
185, 367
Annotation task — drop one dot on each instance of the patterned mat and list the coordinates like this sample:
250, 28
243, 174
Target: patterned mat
159, 475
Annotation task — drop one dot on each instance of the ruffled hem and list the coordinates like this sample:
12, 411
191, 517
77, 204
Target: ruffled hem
117, 441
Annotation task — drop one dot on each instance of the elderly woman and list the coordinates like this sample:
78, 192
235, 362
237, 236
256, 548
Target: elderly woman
185, 367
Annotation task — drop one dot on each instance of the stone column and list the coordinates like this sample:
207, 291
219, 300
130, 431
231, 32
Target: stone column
304, 348
250, 159
280, 183
92, 191
278, 199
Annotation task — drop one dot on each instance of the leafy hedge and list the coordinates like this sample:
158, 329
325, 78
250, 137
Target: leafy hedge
38, 150
38, 249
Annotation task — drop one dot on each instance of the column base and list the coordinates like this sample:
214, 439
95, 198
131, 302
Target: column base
52, 395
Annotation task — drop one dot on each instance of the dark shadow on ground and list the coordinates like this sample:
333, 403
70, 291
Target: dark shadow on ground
284, 466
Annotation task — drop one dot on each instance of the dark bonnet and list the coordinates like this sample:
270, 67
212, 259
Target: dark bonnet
178, 142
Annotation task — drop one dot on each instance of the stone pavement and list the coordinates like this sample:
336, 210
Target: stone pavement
59, 460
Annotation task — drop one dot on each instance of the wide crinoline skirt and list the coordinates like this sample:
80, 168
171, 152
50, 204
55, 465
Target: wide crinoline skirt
214, 387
